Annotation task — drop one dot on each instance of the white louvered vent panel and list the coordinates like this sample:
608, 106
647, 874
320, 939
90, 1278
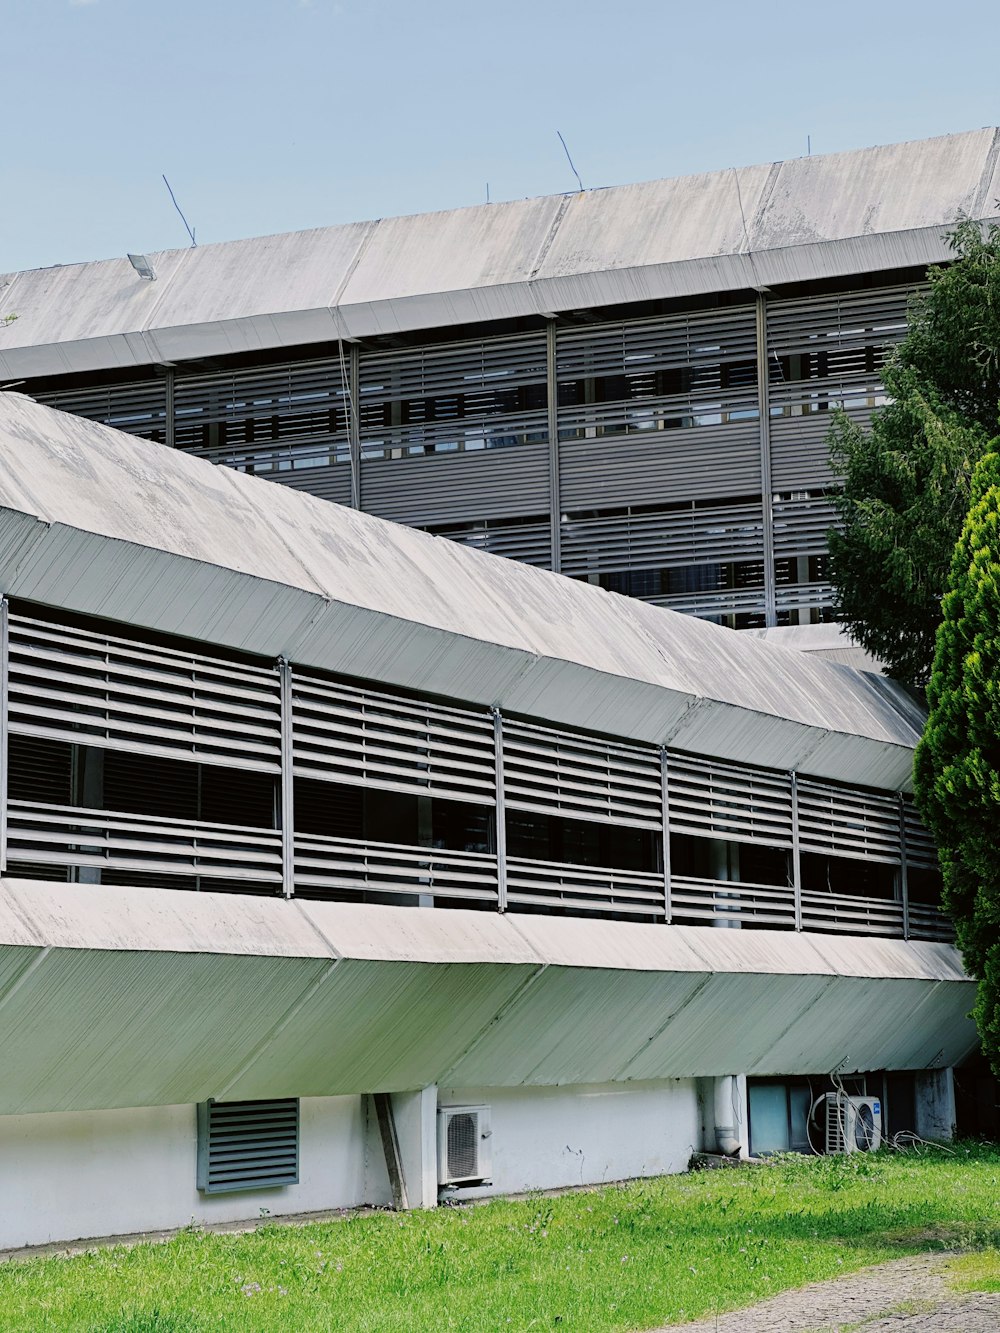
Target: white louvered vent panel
138, 408
557, 772
921, 850
100, 689
247, 1145
671, 539
265, 418
345, 734
838, 821
654, 374
458, 396
713, 800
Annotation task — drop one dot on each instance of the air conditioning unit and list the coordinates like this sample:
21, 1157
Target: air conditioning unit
853, 1124
464, 1145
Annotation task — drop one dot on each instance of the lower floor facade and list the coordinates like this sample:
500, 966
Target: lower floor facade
75, 1175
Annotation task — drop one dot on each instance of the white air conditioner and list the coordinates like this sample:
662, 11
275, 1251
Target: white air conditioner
853, 1124
464, 1145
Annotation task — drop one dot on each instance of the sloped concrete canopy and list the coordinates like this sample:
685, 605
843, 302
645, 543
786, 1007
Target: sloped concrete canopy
142, 997
99, 522
733, 230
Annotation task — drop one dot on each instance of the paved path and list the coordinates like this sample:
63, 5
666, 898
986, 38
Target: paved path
904, 1296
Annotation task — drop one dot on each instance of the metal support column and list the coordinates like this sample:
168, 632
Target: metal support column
796, 853
668, 909
904, 888
766, 498
501, 816
4, 732
287, 781
354, 422
169, 423
555, 504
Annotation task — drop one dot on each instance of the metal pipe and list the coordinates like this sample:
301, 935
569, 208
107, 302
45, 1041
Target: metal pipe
726, 1131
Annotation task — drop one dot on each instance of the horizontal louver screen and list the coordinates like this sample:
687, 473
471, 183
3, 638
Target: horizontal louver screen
247, 1145
267, 418
487, 394
344, 734
554, 771
920, 849
837, 821
722, 801
103, 690
139, 408
664, 540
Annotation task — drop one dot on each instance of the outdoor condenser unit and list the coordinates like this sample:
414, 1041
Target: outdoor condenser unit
853, 1124
464, 1145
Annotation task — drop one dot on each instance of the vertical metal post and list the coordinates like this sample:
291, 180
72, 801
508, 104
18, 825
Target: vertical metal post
353, 387
4, 733
796, 853
169, 423
668, 908
904, 888
501, 815
287, 781
555, 504
766, 499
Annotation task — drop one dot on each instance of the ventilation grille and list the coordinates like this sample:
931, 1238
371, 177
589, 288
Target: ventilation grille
464, 1137
247, 1145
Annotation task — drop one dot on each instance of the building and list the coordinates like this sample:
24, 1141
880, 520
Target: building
632, 386
343, 863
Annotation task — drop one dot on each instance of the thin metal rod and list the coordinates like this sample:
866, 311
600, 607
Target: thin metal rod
766, 498
796, 853
354, 423
287, 781
668, 907
501, 814
390, 1146
555, 503
4, 732
904, 886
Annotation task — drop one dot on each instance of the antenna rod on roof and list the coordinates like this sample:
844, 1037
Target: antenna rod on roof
809, 145
190, 230
570, 161
487, 192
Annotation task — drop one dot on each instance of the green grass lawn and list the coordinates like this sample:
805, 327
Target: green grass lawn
621, 1257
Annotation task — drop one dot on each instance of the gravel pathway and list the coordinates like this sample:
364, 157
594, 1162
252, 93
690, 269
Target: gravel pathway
904, 1296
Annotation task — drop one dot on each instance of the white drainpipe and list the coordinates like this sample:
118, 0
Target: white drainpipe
726, 1138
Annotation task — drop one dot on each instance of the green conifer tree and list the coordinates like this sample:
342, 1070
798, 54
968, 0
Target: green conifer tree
957, 763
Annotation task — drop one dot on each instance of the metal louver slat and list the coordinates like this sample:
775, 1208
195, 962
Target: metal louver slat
669, 539
454, 397
140, 408
660, 466
345, 734
921, 851
557, 772
247, 1145
105, 690
801, 525
714, 800
457, 487
529, 541
265, 418
838, 821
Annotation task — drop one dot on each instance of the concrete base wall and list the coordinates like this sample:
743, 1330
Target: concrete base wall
72, 1175
546, 1138
94, 1173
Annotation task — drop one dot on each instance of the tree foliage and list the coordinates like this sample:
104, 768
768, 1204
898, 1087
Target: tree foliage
957, 765
907, 479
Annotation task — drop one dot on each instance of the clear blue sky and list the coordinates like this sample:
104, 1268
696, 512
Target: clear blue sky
271, 115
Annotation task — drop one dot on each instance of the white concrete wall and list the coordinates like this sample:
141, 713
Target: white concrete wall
93, 1173
544, 1138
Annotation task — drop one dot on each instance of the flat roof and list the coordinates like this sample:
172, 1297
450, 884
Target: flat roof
750, 227
102, 523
